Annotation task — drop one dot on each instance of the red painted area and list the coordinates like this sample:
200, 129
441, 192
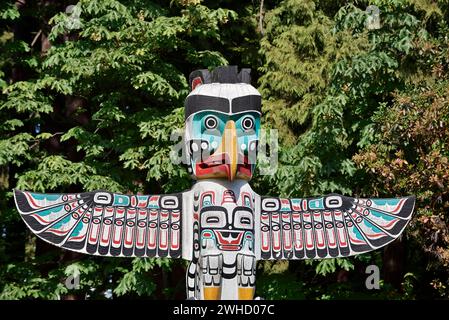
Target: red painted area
228, 197
31, 200
229, 240
117, 238
216, 163
36, 216
390, 224
399, 206
229, 248
196, 82
174, 242
356, 241
220, 164
58, 231
81, 237
332, 242
128, 236
342, 238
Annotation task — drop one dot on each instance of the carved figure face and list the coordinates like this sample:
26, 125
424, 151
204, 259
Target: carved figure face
222, 128
226, 227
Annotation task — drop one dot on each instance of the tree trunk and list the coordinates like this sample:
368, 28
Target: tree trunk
393, 263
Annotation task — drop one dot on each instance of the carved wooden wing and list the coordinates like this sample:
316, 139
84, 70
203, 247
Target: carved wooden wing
329, 226
105, 223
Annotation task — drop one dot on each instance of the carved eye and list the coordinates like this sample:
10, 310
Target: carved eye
245, 220
248, 123
212, 219
210, 122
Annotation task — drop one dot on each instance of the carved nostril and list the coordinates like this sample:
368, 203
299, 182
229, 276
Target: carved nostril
252, 151
253, 146
194, 147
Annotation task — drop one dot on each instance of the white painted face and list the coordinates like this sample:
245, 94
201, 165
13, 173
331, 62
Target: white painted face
226, 221
222, 130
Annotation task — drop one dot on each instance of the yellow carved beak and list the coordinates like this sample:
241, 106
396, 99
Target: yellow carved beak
229, 148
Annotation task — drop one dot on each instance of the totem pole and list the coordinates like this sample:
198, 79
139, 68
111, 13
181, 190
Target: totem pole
220, 225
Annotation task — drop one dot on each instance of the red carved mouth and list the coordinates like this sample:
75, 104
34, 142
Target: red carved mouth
219, 165
229, 240
229, 248
214, 161
214, 166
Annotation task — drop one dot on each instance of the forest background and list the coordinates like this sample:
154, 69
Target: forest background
90, 95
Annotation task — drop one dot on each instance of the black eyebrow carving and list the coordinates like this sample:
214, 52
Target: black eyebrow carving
247, 103
198, 102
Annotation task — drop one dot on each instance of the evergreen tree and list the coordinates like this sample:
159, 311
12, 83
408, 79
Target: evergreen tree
89, 104
334, 88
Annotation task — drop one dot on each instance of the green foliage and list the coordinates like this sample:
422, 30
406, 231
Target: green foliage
280, 287
93, 108
328, 266
332, 88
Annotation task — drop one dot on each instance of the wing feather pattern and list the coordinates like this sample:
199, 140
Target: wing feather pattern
330, 226
104, 223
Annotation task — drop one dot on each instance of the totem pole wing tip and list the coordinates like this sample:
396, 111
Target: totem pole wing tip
15, 192
409, 207
21, 201
412, 200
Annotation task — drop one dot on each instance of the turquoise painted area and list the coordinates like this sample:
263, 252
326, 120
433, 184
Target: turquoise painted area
49, 197
57, 209
251, 241
200, 130
296, 202
77, 230
248, 233
214, 136
62, 222
372, 227
381, 215
383, 202
210, 231
142, 198
121, 200
316, 204
357, 233
206, 201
